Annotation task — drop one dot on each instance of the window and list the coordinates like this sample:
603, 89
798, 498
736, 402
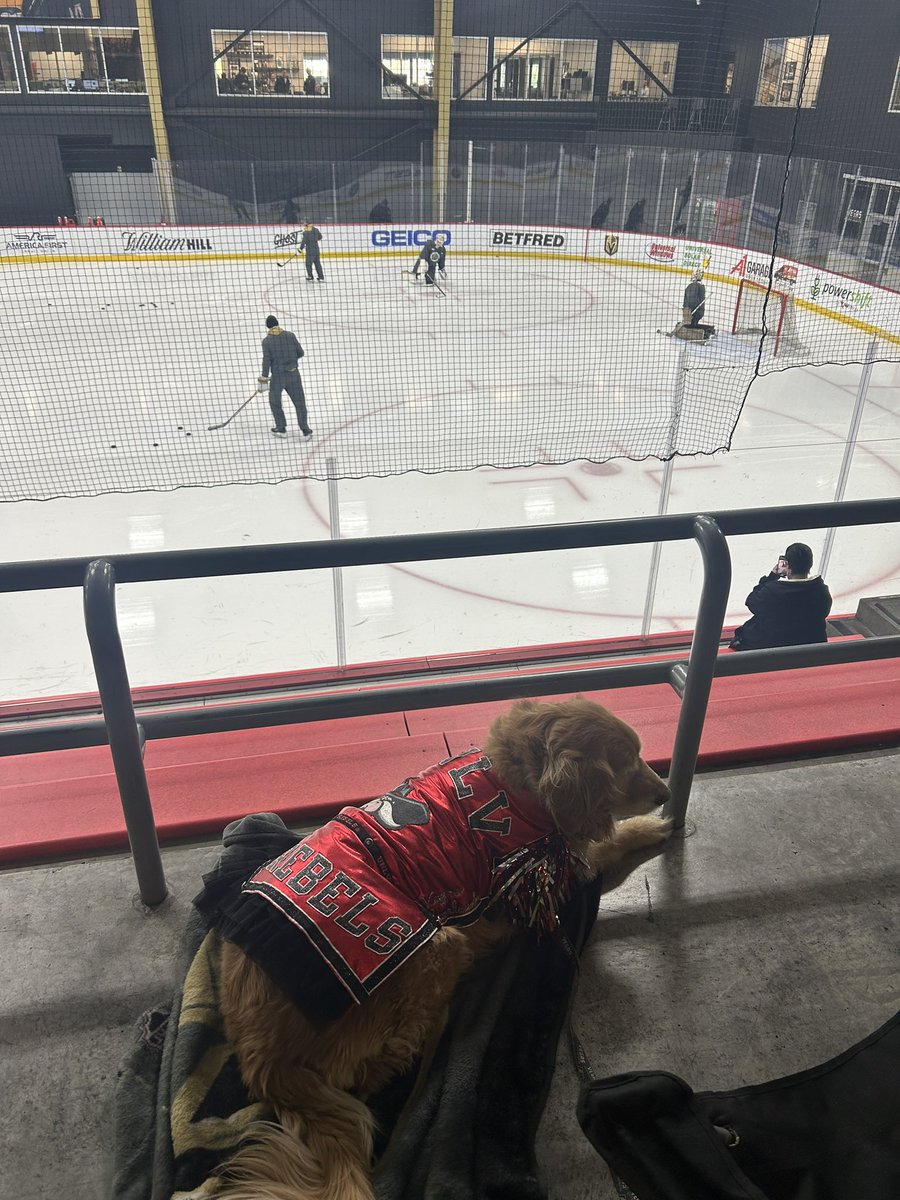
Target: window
407, 62
629, 80
270, 63
52, 9
78, 59
781, 72
895, 95
9, 80
544, 69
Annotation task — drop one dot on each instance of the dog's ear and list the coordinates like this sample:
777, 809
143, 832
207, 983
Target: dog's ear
574, 790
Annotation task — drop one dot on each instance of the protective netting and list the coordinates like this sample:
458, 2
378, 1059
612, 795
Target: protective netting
512, 210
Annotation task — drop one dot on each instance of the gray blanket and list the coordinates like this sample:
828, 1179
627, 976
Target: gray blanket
467, 1132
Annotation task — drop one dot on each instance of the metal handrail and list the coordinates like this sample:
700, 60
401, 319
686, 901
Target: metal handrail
692, 680
126, 738
420, 547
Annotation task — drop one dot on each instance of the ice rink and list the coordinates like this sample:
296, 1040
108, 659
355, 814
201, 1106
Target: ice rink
146, 354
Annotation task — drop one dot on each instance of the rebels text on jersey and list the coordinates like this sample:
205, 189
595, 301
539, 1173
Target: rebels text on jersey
375, 883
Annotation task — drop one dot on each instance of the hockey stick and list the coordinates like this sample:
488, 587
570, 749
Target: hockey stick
233, 415
287, 260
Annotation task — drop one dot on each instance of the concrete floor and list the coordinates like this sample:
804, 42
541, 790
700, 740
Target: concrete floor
762, 942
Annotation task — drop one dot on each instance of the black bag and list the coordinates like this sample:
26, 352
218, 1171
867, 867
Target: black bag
829, 1133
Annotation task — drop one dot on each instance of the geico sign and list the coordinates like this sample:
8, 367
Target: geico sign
408, 237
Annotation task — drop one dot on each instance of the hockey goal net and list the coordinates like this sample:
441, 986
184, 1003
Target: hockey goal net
760, 309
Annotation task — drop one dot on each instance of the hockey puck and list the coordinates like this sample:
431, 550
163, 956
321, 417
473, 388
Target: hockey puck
181, 427
114, 446
155, 445
187, 433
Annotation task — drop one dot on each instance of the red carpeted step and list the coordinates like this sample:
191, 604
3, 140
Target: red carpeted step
474, 717
67, 802
92, 760
819, 710
192, 798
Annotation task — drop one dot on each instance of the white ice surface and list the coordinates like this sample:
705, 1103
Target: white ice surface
788, 449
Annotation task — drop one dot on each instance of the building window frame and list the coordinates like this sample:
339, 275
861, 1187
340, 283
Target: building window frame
633, 83
566, 85
781, 72
89, 86
14, 83
468, 66
894, 105
288, 76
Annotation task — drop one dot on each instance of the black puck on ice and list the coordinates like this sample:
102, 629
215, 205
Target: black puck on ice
187, 433
155, 445
113, 446
181, 427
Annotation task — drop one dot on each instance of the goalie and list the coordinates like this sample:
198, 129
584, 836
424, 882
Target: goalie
434, 255
691, 327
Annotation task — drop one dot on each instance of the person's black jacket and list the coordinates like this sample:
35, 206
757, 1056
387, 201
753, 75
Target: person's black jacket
634, 222
310, 242
695, 300
786, 612
381, 212
598, 220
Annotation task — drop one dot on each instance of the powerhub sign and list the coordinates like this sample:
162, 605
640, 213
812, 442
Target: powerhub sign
408, 237
507, 237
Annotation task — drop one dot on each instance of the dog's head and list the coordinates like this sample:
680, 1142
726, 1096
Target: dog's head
581, 763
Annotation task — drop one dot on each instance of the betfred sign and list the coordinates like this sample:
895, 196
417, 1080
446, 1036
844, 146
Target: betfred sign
661, 251
408, 237
508, 237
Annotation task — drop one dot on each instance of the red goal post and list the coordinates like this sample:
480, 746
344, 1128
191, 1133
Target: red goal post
761, 309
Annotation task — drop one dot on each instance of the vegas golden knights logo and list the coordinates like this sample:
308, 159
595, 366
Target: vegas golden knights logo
612, 243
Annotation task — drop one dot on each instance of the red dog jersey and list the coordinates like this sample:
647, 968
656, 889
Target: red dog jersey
375, 883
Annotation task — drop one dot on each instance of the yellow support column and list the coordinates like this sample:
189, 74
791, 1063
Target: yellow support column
443, 77
157, 119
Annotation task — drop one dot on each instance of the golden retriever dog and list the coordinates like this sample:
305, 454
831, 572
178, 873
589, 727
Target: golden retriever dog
560, 786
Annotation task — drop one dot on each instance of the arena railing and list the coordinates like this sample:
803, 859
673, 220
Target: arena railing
691, 678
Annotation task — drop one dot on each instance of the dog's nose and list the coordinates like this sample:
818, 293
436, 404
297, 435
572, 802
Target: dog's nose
663, 795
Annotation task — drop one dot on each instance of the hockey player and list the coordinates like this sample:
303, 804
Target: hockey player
280, 373
433, 254
310, 243
694, 306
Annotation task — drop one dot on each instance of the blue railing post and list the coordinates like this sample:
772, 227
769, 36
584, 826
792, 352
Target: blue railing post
697, 683
125, 737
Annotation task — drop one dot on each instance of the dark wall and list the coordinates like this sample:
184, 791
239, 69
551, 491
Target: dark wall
37, 150
44, 136
220, 126
851, 119
36, 190
851, 122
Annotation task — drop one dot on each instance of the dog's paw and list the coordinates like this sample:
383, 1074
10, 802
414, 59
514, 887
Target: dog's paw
649, 830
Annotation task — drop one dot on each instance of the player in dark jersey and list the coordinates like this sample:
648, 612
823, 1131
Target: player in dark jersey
280, 373
434, 255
